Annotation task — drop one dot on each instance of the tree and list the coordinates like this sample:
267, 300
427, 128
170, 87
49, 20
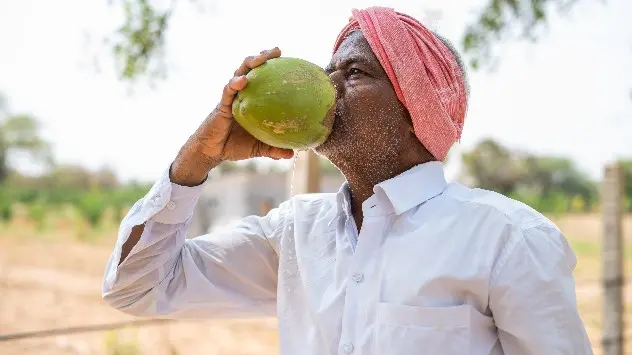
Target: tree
105, 179
507, 20
4, 171
493, 167
626, 166
546, 182
71, 177
138, 44
20, 135
548, 176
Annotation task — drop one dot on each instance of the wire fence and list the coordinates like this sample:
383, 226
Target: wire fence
81, 329
133, 323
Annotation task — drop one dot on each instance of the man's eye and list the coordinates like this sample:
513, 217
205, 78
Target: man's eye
354, 71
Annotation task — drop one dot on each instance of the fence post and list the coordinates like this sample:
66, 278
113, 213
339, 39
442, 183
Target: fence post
612, 259
307, 173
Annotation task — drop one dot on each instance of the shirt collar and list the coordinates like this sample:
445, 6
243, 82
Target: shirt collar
343, 197
414, 186
405, 191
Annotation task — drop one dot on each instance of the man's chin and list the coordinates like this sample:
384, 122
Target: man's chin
334, 144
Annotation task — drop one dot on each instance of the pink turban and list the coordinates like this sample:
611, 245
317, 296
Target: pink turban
425, 75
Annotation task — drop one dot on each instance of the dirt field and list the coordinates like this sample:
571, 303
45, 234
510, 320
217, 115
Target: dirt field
54, 281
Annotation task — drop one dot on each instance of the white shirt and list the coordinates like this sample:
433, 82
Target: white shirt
437, 268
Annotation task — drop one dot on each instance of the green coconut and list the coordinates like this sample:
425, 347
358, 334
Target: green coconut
288, 103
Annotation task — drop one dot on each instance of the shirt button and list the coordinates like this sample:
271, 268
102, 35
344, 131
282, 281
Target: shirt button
348, 348
171, 205
358, 277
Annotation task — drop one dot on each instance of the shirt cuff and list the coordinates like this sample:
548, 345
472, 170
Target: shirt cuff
173, 203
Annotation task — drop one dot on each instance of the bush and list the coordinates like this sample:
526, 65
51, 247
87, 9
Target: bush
555, 203
578, 204
37, 213
6, 206
116, 344
92, 206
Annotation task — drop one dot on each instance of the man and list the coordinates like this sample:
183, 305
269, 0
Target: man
436, 268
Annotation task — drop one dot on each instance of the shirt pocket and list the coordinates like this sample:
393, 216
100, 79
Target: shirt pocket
403, 329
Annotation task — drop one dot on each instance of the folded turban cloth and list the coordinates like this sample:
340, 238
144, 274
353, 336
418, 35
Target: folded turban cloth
425, 75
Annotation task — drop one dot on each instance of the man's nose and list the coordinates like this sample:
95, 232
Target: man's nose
338, 79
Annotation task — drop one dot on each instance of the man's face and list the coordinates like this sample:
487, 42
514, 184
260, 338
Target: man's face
370, 124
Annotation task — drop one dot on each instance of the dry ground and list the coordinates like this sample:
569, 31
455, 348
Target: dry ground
54, 281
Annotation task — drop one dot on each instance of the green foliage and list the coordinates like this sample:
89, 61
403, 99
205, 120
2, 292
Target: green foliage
20, 134
548, 184
4, 168
37, 213
6, 211
125, 196
493, 167
626, 166
116, 344
91, 198
552, 204
138, 42
91, 192
92, 206
502, 20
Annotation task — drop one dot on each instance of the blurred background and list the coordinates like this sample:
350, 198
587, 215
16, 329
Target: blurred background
97, 96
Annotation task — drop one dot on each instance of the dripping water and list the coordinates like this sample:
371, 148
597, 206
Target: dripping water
294, 159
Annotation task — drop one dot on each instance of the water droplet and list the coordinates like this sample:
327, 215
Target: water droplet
294, 159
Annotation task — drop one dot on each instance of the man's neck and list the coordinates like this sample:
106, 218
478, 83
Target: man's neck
362, 180
363, 172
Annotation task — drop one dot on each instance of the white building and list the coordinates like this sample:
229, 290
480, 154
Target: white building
229, 197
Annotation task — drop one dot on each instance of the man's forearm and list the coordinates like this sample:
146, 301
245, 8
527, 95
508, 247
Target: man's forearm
191, 168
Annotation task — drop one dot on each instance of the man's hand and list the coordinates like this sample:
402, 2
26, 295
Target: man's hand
220, 137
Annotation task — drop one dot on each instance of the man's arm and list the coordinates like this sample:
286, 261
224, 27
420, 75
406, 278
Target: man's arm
155, 271
532, 295
163, 274
187, 170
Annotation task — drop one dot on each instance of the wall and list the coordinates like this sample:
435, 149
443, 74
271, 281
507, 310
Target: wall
227, 198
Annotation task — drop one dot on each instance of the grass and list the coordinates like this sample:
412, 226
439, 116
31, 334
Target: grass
591, 249
63, 224
121, 343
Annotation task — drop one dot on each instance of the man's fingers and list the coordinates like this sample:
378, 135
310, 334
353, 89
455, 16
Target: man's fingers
254, 61
264, 150
279, 153
230, 90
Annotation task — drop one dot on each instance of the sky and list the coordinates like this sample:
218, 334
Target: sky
568, 94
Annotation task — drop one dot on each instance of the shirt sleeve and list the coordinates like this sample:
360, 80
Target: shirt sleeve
532, 295
226, 274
